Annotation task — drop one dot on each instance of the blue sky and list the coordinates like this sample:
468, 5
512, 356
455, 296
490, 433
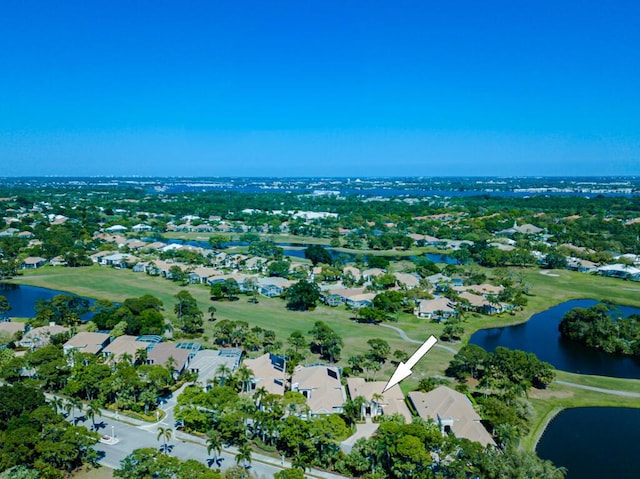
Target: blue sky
303, 88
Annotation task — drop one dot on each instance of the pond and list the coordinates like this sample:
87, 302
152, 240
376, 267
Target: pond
290, 249
593, 442
540, 336
23, 298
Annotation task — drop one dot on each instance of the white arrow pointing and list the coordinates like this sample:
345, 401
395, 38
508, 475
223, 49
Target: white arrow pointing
404, 369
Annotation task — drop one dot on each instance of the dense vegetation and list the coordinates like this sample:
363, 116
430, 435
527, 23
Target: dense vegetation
35, 440
596, 328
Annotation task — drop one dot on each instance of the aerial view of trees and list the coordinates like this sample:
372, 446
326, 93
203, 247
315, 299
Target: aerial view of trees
600, 328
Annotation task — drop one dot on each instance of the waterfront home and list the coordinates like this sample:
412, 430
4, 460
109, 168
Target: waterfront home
453, 412
620, 271
33, 262
39, 337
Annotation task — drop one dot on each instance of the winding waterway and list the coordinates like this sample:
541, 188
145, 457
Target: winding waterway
540, 336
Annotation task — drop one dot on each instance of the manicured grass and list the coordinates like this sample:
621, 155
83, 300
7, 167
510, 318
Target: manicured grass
546, 291
270, 313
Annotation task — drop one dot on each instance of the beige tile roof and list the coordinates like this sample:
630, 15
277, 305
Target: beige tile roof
392, 401
161, 353
124, 345
430, 306
266, 374
87, 342
445, 405
322, 388
11, 327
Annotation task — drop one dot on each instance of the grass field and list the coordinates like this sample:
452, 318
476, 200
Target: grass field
270, 313
547, 290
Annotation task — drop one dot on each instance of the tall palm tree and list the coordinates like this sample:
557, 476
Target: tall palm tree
165, 433
244, 375
74, 404
244, 454
92, 411
214, 443
141, 356
127, 358
223, 372
58, 403
259, 394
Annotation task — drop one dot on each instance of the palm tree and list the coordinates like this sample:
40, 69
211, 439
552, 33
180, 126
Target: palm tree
244, 454
223, 372
127, 358
378, 398
58, 403
212, 313
214, 443
259, 394
141, 356
244, 376
75, 403
165, 433
92, 411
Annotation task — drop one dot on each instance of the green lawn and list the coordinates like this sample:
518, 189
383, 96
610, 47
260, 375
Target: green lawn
546, 291
270, 313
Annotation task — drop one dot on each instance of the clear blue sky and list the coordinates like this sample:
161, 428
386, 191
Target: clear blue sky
304, 88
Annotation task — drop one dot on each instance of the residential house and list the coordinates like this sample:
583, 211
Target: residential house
123, 345
369, 274
162, 354
206, 363
338, 296
87, 342
581, 265
453, 412
116, 229
118, 260
620, 271
322, 388
273, 286
475, 302
526, 229
378, 403
268, 372
139, 228
201, 274
358, 301
10, 328
436, 309
407, 280
39, 337
33, 262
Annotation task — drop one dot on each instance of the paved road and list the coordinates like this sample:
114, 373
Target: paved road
134, 434
404, 336
617, 392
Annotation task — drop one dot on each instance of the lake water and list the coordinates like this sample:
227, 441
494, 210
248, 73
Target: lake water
594, 442
540, 336
23, 298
